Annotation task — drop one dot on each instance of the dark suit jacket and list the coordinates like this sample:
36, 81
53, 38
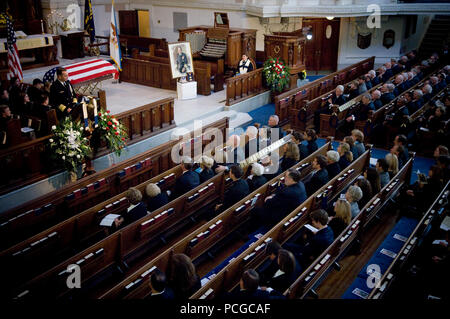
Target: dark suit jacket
319, 179
337, 225
185, 294
316, 245
253, 146
256, 182
287, 163
248, 295
353, 93
166, 295
285, 201
303, 150
387, 75
387, 97
375, 81
206, 174
312, 147
368, 85
333, 169
339, 100
378, 104
34, 93
59, 94
136, 213
237, 191
158, 201
186, 182
343, 162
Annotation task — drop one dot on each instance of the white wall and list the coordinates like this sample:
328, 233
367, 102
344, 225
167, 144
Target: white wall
414, 40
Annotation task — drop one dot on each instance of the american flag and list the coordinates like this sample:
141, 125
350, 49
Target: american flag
84, 71
15, 69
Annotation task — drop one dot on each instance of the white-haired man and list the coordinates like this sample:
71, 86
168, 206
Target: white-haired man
388, 74
333, 166
274, 130
338, 98
373, 77
376, 99
427, 91
233, 155
399, 85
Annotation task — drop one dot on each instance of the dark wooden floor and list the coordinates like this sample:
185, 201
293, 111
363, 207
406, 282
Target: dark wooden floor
337, 282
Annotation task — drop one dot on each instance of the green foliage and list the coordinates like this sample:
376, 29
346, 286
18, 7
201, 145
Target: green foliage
112, 132
276, 74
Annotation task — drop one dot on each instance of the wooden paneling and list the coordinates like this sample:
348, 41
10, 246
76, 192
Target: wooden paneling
128, 21
244, 86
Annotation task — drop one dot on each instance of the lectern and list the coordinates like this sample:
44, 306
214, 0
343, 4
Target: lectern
289, 48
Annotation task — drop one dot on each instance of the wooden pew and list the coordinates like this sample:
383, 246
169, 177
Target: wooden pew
410, 246
208, 235
61, 204
79, 231
323, 264
141, 236
288, 104
254, 256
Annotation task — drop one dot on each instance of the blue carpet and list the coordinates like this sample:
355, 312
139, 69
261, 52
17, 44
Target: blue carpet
313, 77
404, 228
261, 115
253, 238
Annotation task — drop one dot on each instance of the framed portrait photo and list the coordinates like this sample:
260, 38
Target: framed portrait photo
181, 62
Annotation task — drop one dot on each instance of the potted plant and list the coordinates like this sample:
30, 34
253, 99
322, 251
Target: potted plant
276, 74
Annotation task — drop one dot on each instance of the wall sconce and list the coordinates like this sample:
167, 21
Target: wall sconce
307, 32
330, 18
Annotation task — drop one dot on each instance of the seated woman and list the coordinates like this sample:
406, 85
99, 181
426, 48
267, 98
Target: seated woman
291, 155
345, 155
311, 138
257, 179
392, 161
342, 217
372, 175
366, 188
156, 198
349, 140
298, 138
183, 278
135, 211
353, 195
288, 270
206, 164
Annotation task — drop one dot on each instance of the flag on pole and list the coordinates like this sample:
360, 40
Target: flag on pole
89, 26
15, 69
114, 46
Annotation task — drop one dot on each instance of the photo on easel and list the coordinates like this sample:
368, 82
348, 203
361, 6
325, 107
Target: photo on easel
181, 62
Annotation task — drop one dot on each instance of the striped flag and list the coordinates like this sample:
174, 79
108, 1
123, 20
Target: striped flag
114, 45
15, 69
84, 71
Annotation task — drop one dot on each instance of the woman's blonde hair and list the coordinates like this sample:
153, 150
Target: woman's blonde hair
343, 210
292, 151
134, 195
206, 161
392, 160
152, 190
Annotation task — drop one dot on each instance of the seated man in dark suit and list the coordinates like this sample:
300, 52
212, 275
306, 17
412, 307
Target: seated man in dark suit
427, 91
5, 117
188, 180
333, 167
338, 98
136, 211
62, 94
312, 247
285, 199
396, 67
358, 113
388, 74
402, 140
368, 81
158, 286
373, 77
274, 130
238, 189
354, 90
320, 175
156, 198
387, 93
399, 85
376, 99
287, 270
416, 103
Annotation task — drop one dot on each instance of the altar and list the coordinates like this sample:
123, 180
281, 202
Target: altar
35, 50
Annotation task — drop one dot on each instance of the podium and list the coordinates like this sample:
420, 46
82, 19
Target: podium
289, 46
187, 90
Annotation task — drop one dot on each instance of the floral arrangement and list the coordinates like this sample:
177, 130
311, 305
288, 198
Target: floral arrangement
276, 74
112, 132
69, 147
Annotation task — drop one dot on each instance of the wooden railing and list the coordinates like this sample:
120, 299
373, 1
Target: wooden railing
155, 72
288, 104
244, 86
147, 120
